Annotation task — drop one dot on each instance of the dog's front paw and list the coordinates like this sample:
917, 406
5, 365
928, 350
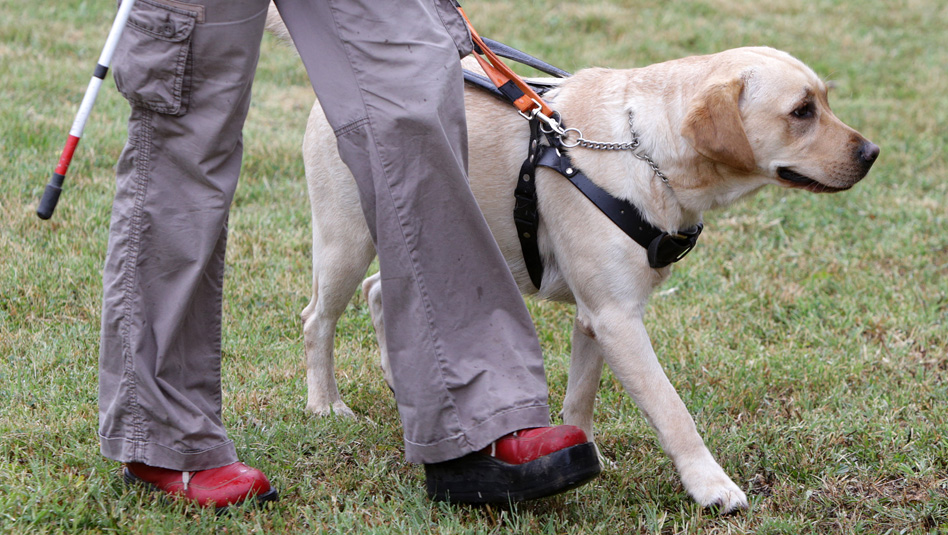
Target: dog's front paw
605, 462
711, 487
338, 408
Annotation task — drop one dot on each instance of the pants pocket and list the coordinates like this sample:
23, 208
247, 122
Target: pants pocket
152, 63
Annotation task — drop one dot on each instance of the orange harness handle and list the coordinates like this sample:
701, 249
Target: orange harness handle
509, 83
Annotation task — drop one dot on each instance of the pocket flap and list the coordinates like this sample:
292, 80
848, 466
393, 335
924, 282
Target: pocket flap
163, 21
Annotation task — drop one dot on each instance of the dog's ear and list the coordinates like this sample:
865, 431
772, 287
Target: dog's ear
714, 126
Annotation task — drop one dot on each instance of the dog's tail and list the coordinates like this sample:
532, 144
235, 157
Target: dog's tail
276, 26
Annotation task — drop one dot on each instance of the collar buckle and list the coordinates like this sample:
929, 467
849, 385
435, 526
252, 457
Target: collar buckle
667, 249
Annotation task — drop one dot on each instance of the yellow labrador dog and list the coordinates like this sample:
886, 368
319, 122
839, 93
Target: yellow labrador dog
719, 127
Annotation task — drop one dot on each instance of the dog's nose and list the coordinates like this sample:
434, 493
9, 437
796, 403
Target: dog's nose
868, 152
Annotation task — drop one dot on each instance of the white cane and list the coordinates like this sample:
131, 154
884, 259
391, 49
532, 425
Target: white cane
54, 188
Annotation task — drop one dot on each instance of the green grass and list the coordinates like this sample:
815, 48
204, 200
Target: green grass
808, 335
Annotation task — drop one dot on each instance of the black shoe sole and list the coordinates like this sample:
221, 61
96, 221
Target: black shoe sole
259, 499
479, 478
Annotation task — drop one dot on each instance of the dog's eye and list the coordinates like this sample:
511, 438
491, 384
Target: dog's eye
804, 111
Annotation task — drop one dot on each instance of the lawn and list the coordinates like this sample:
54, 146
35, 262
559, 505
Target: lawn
807, 334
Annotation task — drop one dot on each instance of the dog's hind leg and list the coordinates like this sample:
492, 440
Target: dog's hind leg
342, 252
337, 270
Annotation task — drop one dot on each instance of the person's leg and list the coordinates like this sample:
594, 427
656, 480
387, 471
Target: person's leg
467, 365
186, 69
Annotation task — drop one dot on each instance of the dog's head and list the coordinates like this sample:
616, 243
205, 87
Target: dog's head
763, 112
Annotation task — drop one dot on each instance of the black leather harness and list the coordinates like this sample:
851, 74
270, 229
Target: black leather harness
546, 150
662, 248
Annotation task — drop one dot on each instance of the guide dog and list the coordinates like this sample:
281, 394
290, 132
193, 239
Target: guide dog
718, 127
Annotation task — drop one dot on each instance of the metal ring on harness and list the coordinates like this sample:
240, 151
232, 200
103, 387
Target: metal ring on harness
565, 136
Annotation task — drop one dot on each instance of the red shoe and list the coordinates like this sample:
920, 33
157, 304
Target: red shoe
530, 444
216, 487
524, 465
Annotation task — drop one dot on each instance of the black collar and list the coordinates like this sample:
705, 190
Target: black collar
662, 248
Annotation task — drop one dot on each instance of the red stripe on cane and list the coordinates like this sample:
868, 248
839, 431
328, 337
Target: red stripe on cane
66, 158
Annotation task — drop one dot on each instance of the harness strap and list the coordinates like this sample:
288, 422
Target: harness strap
509, 52
482, 82
526, 214
507, 82
663, 248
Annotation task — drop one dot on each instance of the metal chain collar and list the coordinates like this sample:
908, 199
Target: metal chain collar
580, 141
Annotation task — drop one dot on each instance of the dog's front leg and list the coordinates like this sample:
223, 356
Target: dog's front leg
372, 290
626, 347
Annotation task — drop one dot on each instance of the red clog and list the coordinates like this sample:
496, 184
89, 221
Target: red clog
216, 487
525, 465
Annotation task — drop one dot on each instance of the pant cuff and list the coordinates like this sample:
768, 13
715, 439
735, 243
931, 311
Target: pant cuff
122, 450
478, 437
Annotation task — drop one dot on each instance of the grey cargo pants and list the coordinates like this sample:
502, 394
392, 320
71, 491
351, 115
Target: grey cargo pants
465, 357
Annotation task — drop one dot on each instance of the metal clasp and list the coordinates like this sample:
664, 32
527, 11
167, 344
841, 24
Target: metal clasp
549, 125
534, 112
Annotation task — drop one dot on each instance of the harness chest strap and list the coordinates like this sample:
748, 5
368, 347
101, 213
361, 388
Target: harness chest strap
663, 248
